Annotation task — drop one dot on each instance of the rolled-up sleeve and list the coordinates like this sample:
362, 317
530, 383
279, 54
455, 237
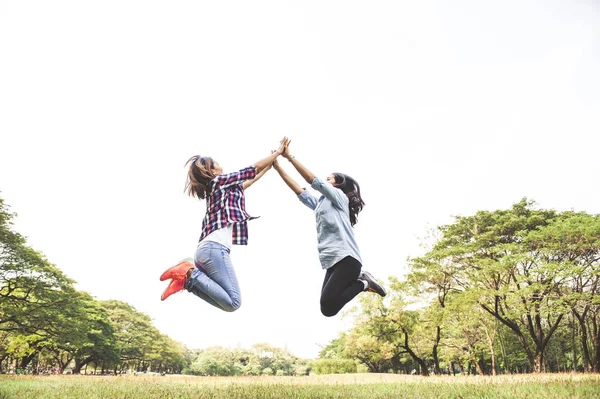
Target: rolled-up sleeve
236, 177
308, 199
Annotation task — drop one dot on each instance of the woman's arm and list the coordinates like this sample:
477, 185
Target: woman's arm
305, 173
253, 172
287, 179
260, 174
304, 196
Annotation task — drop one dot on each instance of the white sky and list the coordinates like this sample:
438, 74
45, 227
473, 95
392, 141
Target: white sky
436, 108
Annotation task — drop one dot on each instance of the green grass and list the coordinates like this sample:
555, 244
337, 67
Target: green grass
371, 386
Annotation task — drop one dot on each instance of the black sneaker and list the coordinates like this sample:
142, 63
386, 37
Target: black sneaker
373, 285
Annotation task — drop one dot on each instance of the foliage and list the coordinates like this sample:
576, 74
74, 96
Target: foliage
506, 291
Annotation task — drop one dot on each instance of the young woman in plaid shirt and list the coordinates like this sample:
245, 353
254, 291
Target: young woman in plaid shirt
336, 213
211, 276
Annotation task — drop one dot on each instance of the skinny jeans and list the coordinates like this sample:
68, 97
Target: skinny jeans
341, 285
214, 279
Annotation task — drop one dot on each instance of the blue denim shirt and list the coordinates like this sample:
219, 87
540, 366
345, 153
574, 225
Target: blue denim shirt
335, 236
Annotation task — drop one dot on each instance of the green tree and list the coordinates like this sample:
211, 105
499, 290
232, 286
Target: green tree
515, 263
99, 344
134, 334
216, 361
574, 240
168, 355
33, 292
385, 334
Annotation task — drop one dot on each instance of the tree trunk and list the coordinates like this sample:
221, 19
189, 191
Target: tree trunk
595, 344
540, 338
503, 351
416, 358
2, 358
539, 362
436, 360
587, 362
477, 365
491, 339
63, 364
26, 360
536, 333
514, 327
574, 348
79, 363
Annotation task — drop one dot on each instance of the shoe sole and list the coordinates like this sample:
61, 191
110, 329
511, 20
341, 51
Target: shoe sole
379, 290
382, 293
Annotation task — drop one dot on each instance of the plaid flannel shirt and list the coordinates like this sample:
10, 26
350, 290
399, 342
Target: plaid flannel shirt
225, 205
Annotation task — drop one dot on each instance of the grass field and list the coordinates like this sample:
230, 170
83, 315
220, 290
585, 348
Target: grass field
372, 386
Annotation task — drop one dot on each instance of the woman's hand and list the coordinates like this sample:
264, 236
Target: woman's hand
286, 152
283, 145
267, 162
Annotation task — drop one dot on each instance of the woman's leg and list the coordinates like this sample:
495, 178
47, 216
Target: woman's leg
214, 279
340, 285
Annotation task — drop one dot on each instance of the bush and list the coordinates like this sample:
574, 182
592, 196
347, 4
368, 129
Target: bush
333, 366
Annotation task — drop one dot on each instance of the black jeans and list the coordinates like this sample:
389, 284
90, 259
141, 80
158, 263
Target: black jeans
340, 286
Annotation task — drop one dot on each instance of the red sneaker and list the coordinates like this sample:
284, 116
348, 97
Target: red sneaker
174, 287
178, 271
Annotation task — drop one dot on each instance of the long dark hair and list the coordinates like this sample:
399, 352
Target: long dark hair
352, 190
199, 175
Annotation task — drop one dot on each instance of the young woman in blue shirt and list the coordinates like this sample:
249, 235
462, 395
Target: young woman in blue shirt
336, 214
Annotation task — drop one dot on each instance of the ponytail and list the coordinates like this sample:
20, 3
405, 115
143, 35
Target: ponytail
352, 190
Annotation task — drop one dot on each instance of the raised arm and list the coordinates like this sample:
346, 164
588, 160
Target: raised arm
304, 196
305, 173
287, 179
260, 174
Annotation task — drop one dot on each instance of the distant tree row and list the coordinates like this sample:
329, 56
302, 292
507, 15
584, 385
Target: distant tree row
506, 291
261, 359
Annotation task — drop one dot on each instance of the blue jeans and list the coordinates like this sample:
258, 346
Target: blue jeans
214, 279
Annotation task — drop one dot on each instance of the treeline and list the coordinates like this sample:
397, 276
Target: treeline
46, 325
261, 359
506, 291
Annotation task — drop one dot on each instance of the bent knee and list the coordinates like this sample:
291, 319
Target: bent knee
327, 312
328, 308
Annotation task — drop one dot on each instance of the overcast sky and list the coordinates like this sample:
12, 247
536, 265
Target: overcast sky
437, 108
